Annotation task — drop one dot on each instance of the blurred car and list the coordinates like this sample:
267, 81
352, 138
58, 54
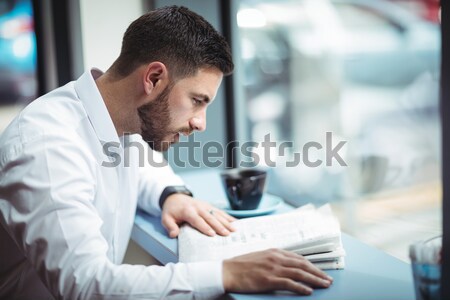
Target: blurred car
17, 52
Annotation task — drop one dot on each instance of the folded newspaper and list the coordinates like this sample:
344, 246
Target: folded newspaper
312, 232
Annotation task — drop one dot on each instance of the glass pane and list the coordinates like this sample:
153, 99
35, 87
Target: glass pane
17, 58
348, 91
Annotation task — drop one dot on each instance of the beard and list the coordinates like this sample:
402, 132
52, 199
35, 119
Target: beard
155, 121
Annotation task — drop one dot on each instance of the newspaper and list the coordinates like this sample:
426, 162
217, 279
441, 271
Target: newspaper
314, 233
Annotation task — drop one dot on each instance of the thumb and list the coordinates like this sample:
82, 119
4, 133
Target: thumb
171, 226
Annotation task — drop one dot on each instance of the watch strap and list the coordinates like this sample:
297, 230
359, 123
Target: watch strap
174, 189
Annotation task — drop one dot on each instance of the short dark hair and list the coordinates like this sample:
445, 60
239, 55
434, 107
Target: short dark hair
177, 37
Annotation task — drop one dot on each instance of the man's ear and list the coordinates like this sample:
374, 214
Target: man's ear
155, 77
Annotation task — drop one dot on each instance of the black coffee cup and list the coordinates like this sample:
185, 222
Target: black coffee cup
244, 187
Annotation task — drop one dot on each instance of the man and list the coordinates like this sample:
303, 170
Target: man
66, 214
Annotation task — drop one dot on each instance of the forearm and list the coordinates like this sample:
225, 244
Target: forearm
103, 280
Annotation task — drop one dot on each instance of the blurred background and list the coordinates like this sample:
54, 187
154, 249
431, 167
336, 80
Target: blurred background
366, 70
18, 82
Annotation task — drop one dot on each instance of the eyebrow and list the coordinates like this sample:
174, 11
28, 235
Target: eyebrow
205, 98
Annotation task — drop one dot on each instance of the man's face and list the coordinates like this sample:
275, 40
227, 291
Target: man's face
179, 109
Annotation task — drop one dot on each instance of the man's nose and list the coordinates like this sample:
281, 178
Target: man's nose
198, 122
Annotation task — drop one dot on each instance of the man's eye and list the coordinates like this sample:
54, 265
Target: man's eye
196, 101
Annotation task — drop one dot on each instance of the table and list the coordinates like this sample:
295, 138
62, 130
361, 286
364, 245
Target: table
369, 272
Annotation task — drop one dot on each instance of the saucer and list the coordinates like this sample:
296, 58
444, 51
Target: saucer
269, 203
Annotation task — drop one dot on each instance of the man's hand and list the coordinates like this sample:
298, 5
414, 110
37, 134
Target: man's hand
180, 208
272, 270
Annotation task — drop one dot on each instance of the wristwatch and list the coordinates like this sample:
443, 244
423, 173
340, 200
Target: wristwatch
174, 189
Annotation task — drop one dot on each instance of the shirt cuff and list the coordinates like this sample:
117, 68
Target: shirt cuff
207, 279
173, 180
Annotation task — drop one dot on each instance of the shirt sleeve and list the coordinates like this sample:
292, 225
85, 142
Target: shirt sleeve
155, 174
47, 189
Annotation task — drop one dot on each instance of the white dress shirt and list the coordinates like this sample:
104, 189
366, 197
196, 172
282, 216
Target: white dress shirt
66, 216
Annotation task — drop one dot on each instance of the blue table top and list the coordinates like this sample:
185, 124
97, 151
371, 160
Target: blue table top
369, 273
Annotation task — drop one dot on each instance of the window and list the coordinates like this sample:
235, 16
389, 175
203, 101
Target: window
17, 58
359, 77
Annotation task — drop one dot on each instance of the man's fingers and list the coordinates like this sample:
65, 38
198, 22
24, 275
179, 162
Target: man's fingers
290, 285
212, 218
297, 260
299, 269
226, 223
198, 222
302, 275
224, 219
171, 226
199, 215
226, 216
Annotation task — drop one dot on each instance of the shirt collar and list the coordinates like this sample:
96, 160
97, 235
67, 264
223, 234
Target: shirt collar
95, 107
